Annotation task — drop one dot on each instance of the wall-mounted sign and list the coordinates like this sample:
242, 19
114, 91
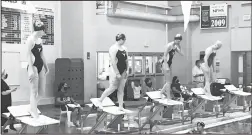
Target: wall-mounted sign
214, 16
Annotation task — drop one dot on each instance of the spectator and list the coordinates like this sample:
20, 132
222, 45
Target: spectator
198, 76
6, 100
65, 99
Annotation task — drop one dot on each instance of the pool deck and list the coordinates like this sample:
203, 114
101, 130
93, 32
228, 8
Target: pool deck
175, 128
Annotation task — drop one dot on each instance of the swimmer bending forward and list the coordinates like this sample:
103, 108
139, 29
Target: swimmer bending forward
119, 71
169, 53
208, 67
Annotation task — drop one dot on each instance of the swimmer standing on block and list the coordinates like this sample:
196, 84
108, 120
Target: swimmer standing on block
208, 67
37, 66
169, 53
119, 70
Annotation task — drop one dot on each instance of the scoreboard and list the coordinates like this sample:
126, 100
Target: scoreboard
17, 26
11, 26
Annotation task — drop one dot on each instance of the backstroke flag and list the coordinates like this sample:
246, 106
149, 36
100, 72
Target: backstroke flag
186, 9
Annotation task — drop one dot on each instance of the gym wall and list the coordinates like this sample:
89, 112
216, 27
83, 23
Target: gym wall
201, 39
21, 96
99, 34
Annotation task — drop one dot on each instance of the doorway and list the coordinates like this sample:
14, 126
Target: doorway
241, 68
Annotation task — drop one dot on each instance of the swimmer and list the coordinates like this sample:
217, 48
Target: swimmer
37, 67
208, 66
199, 129
118, 54
169, 53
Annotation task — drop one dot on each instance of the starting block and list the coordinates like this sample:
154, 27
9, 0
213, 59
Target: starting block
200, 108
9, 121
108, 107
158, 107
234, 93
22, 115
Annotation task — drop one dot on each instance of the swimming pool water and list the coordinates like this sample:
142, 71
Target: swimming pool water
240, 127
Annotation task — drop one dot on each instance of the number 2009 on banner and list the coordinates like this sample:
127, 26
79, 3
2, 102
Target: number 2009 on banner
218, 22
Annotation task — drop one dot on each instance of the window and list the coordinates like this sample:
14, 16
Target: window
158, 60
103, 64
130, 64
138, 63
149, 65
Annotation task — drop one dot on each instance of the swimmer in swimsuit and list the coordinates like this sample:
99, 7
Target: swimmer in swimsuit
208, 67
37, 67
169, 53
119, 70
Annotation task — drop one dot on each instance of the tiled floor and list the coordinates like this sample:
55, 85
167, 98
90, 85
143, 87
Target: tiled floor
53, 112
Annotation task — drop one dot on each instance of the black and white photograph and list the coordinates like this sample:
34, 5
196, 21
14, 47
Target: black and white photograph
126, 67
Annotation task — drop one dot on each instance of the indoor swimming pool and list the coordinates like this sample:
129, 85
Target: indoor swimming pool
238, 127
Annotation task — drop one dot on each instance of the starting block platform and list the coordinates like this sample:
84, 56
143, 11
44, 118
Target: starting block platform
22, 115
234, 93
200, 108
102, 125
158, 109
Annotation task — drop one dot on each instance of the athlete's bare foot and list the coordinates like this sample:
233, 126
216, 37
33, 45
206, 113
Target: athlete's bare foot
121, 109
99, 103
34, 115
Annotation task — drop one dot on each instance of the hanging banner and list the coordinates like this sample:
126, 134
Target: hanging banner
186, 9
214, 16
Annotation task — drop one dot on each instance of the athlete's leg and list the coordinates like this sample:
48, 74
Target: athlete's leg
120, 92
41, 84
114, 83
33, 92
206, 71
167, 86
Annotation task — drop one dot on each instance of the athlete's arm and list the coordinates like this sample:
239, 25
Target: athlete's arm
30, 45
127, 60
178, 50
213, 64
112, 54
167, 50
44, 60
207, 54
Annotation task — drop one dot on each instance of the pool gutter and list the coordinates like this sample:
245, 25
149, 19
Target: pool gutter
217, 124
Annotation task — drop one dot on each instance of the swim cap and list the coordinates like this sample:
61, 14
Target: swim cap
38, 26
120, 36
217, 45
201, 124
178, 37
